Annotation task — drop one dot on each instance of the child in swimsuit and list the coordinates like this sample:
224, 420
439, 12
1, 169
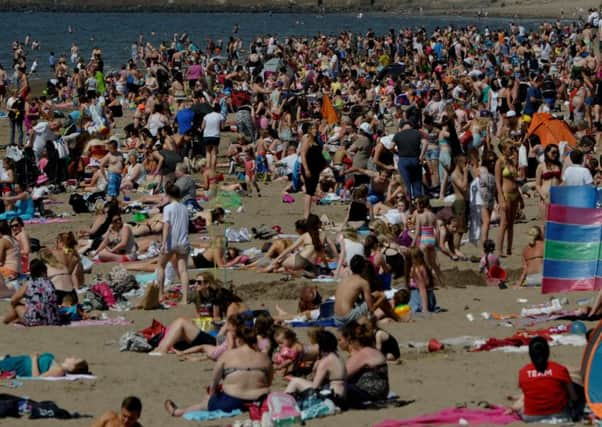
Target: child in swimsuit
289, 353
489, 259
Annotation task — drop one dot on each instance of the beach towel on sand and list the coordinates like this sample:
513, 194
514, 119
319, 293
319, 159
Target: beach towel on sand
68, 377
452, 416
209, 415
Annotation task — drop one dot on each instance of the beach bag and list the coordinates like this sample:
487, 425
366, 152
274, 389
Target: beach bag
132, 341
154, 333
150, 300
122, 281
104, 290
94, 302
281, 408
78, 203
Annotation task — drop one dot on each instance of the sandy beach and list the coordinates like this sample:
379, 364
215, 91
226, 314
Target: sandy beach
432, 380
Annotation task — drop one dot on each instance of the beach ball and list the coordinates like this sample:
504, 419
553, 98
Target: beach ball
578, 328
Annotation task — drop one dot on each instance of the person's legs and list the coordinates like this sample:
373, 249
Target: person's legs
163, 260
106, 256
183, 271
180, 330
174, 411
512, 213
485, 219
404, 171
297, 385
415, 171
14, 314
306, 205
20, 129
502, 230
146, 266
12, 132
431, 261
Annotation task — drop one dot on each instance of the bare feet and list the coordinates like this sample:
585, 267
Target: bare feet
280, 311
170, 407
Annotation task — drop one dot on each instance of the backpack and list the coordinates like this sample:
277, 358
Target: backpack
281, 410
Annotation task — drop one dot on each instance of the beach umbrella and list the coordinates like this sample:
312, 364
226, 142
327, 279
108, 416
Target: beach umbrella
551, 130
591, 371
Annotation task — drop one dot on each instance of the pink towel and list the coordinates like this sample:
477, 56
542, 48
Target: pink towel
452, 416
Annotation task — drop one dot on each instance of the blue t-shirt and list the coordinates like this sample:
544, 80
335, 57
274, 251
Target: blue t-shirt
184, 118
532, 107
21, 365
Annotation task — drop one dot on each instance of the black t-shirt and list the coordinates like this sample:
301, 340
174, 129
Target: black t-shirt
200, 110
408, 143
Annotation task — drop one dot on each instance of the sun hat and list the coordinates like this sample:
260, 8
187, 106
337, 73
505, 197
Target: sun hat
366, 128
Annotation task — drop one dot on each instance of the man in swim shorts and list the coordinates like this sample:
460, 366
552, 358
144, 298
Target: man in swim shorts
346, 307
112, 166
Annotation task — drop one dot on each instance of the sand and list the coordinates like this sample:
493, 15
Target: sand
434, 381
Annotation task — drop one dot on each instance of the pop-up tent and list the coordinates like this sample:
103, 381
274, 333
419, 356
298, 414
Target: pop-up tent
551, 130
591, 371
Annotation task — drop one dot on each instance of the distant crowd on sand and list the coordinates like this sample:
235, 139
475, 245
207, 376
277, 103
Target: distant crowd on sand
424, 136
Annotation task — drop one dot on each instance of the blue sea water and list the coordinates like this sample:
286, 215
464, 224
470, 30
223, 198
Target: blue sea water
114, 32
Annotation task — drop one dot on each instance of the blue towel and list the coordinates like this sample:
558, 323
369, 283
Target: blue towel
209, 415
144, 278
312, 323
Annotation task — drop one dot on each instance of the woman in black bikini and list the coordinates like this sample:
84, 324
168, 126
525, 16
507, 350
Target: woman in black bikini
368, 374
216, 255
312, 163
244, 373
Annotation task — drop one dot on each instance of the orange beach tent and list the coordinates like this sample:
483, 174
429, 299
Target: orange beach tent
551, 130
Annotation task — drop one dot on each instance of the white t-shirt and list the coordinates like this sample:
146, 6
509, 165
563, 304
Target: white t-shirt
176, 215
577, 175
213, 124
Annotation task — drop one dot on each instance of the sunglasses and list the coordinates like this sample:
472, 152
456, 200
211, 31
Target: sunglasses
197, 282
15, 225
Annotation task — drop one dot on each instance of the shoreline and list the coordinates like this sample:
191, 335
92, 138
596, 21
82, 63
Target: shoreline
465, 10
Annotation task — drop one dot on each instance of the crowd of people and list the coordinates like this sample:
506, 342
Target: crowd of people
424, 135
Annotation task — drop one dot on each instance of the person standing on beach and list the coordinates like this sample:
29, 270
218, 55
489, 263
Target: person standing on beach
174, 240
211, 127
409, 148
16, 114
112, 167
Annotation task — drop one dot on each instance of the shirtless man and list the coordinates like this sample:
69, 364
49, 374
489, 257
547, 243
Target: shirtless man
131, 408
348, 291
531, 274
112, 167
